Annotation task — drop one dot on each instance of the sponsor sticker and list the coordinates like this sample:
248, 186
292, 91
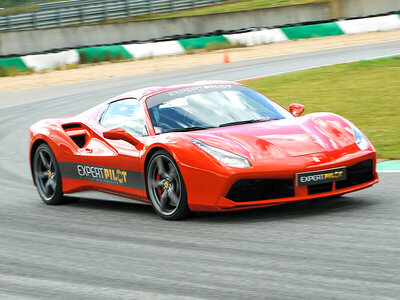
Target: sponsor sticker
198, 89
102, 174
108, 175
164, 98
319, 177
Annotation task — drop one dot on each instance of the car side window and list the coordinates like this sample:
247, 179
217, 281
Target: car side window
127, 114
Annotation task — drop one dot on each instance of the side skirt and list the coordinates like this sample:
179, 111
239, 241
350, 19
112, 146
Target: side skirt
96, 195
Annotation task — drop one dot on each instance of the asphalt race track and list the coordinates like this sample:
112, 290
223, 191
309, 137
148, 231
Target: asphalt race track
338, 248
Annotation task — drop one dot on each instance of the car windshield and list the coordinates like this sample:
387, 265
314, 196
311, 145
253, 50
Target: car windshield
209, 106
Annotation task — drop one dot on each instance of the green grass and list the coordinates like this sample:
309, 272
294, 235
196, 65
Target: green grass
12, 71
367, 93
18, 10
230, 6
12, 3
21, 6
19, 3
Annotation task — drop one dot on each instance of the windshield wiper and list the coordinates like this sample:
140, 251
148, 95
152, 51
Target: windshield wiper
244, 122
189, 129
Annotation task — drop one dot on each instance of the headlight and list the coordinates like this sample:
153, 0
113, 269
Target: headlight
360, 138
225, 157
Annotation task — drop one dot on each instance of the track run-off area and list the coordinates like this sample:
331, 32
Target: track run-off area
341, 248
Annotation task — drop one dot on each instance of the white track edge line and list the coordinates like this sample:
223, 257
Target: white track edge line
317, 66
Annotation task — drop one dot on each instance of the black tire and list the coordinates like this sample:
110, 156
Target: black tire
47, 176
165, 187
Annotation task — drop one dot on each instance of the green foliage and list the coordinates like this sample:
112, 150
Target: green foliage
108, 56
17, 3
3, 72
96, 58
220, 46
231, 6
83, 57
118, 56
18, 10
71, 67
366, 92
8, 71
9, 3
20, 6
191, 50
13, 71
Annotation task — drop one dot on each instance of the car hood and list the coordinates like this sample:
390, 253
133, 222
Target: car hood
310, 134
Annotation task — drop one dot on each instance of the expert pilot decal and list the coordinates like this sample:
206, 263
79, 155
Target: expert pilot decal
102, 174
319, 177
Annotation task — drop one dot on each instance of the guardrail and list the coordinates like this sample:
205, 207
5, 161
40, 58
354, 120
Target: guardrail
76, 12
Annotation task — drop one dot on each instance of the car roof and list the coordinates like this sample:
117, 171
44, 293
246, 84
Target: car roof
144, 93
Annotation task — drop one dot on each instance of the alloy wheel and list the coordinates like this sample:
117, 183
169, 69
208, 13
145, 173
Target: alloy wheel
164, 185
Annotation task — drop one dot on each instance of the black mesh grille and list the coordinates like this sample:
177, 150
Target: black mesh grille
260, 189
357, 174
320, 188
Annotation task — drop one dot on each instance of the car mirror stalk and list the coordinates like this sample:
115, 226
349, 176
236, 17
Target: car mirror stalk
119, 133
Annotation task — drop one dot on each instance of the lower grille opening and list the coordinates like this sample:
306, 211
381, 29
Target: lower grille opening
260, 189
320, 188
357, 174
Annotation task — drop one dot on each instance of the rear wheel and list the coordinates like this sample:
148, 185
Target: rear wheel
46, 174
166, 188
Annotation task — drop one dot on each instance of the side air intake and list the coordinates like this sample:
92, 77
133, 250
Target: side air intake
76, 132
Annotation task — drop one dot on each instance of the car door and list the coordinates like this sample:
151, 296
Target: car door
117, 161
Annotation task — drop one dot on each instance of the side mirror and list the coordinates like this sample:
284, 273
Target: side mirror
296, 109
119, 133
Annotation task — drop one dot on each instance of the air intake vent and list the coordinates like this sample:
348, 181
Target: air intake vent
260, 189
71, 126
79, 140
358, 174
320, 188
76, 132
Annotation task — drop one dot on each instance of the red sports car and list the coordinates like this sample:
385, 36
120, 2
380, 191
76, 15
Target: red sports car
206, 146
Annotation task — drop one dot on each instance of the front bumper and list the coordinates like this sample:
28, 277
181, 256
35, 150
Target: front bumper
212, 191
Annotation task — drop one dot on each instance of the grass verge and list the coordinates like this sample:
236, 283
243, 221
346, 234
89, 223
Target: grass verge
229, 6
25, 6
18, 10
21, 6
366, 92
12, 71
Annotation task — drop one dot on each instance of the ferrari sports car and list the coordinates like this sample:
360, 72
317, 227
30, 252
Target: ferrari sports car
205, 146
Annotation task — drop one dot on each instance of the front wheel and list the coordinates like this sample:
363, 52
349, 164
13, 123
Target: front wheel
166, 188
46, 174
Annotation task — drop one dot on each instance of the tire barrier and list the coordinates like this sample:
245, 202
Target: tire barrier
179, 44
